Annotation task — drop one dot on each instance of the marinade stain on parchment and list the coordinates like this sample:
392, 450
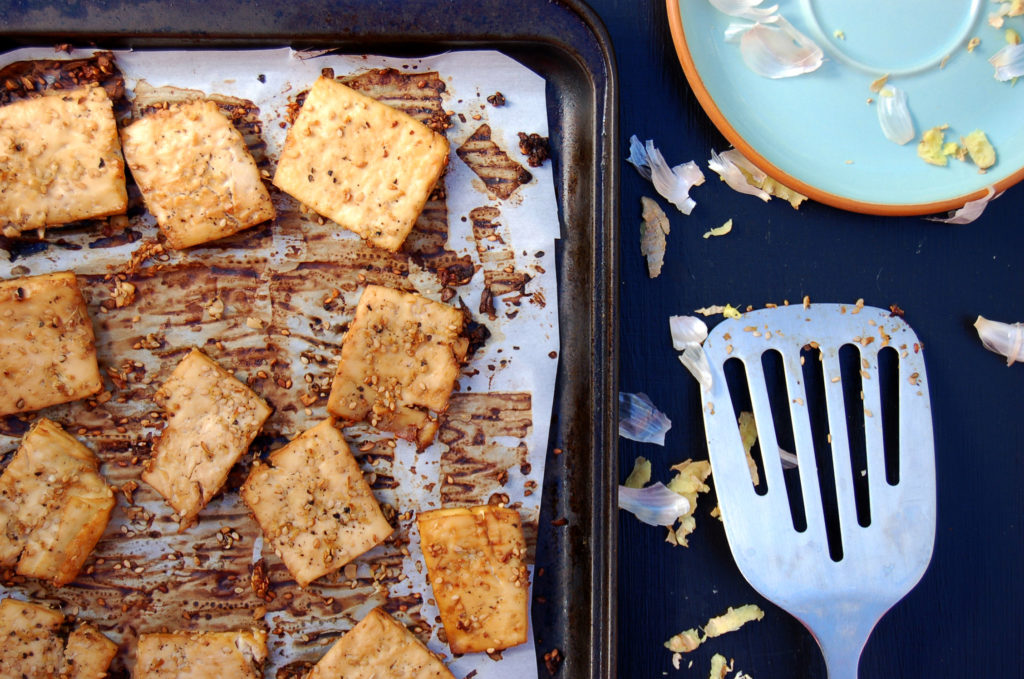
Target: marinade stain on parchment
497, 259
500, 174
482, 454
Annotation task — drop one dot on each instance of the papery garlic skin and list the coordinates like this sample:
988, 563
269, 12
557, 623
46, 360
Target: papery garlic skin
673, 183
640, 420
1008, 62
726, 165
686, 331
744, 9
655, 505
894, 115
777, 50
653, 230
1006, 339
971, 210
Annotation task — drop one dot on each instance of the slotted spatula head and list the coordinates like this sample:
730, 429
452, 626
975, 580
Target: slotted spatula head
880, 547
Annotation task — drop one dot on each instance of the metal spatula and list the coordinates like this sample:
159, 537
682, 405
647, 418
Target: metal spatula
839, 591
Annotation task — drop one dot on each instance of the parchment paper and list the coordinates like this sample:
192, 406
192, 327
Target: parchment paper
279, 334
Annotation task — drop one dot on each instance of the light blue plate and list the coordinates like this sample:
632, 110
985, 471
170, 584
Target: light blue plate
817, 133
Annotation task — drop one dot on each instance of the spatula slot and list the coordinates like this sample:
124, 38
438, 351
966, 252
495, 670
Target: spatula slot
821, 437
850, 366
736, 377
889, 384
778, 399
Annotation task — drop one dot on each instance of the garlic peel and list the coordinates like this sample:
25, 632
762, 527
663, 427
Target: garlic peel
655, 505
744, 9
778, 50
687, 331
674, 183
1002, 338
971, 210
730, 172
1008, 62
653, 229
894, 115
640, 420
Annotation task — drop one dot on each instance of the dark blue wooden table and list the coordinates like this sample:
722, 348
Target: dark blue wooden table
963, 619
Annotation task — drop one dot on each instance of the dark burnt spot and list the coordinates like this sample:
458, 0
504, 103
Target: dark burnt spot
123, 238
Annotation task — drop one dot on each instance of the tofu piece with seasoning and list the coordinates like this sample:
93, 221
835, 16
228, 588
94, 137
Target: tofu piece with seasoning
31, 645
88, 654
195, 173
54, 505
363, 164
60, 161
47, 345
313, 504
238, 654
399, 362
379, 647
476, 564
212, 419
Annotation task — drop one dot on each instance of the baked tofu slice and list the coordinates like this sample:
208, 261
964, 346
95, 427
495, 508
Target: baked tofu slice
195, 173
475, 559
237, 654
361, 163
212, 419
88, 654
60, 161
47, 346
399, 362
31, 645
379, 647
54, 505
314, 505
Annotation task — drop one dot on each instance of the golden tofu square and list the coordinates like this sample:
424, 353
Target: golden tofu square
379, 647
363, 164
88, 654
313, 504
399, 362
47, 345
476, 563
60, 161
54, 505
238, 654
31, 645
195, 173
211, 420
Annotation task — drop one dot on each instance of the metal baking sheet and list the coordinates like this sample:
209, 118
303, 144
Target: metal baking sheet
572, 605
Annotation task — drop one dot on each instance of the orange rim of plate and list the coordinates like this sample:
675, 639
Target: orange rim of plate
675, 22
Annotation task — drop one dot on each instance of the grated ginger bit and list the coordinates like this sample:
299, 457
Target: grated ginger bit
980, 149
748, 436
973, 43
732, 620
684, 642
930, 148
719, 230
877, 84
641, 474
720, 667
838, 34
689, 481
